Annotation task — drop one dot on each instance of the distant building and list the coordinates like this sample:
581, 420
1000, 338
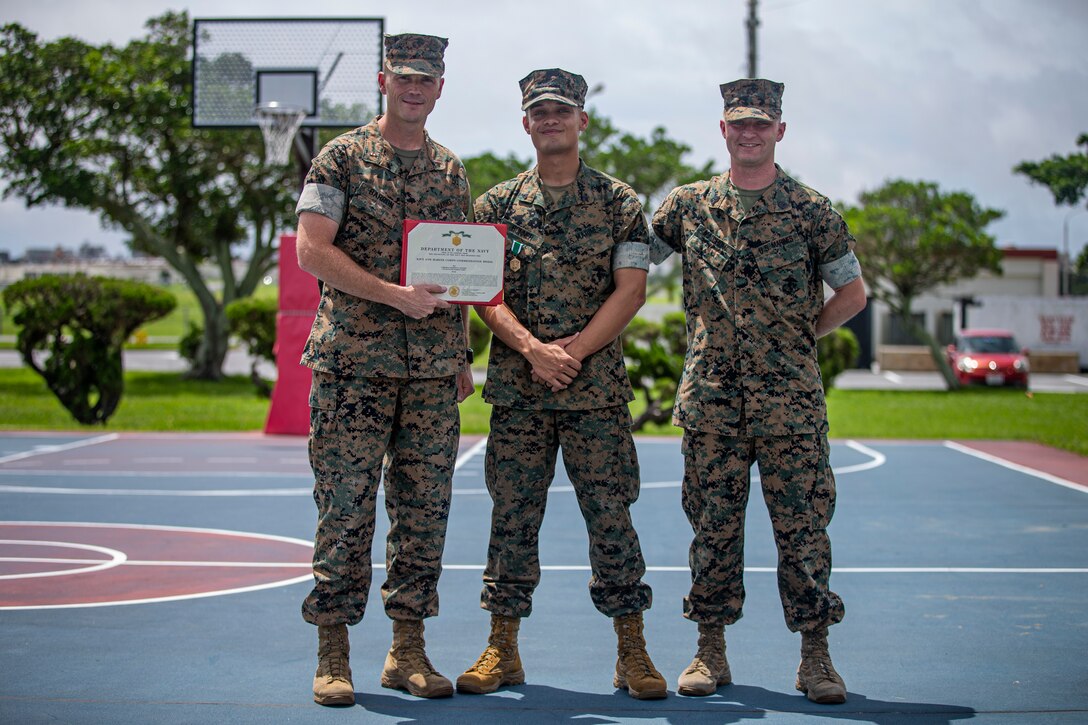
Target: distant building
1030, 284
92, 253
43, 255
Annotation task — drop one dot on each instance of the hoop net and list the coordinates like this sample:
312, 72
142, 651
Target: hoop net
279, 123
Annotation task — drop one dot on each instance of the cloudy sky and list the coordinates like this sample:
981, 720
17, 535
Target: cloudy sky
951, 91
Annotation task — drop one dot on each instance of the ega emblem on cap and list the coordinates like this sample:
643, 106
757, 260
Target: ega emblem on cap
411, 54
553, 84
752, 98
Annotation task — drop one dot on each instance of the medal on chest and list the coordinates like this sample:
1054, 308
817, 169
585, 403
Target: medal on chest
515, 263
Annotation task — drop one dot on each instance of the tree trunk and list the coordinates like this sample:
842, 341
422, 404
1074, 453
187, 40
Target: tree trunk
935, 351
213, 349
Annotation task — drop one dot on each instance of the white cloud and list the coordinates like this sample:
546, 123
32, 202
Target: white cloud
953, 91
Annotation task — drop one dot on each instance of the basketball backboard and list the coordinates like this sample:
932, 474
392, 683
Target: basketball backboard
327, 66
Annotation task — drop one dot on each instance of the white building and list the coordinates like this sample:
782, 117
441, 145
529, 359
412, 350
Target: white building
1025, 298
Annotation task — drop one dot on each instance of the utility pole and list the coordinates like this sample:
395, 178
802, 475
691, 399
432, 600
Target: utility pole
753, 23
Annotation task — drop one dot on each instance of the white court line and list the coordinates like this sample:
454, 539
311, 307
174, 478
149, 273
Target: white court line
834, 570
42, 450
1015, 466
470, 453
89, 565
197, 493
546, 567
307, 577
877, 459
132, 562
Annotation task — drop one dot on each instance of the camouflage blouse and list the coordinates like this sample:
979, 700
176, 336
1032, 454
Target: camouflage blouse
559, 262
753, 291
358, 181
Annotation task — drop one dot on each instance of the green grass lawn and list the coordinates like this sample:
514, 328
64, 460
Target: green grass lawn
167, 402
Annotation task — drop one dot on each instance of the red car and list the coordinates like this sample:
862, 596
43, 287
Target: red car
989, 357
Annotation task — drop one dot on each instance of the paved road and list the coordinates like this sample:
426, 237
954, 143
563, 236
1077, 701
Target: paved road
238, 363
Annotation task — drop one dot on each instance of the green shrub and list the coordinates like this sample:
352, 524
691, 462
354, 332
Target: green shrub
479, 334
189, 343
654, 353
72, 330
253, 321
837, 351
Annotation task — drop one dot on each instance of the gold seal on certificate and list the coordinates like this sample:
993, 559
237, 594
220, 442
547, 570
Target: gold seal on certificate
465, 258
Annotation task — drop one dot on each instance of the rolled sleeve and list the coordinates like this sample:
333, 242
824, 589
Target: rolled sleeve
841, 272
659, 251
631, 255
322, 199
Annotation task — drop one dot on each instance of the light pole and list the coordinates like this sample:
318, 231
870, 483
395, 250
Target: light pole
1067, 262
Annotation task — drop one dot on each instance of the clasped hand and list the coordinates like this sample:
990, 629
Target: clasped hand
554, 366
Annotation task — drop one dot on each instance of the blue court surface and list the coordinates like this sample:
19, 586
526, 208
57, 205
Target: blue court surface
153, 578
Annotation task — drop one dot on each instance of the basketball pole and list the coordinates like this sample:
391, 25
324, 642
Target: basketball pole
306, 148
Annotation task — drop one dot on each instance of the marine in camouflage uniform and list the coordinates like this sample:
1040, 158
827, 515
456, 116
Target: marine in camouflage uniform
389, 367
757, 248
575, 275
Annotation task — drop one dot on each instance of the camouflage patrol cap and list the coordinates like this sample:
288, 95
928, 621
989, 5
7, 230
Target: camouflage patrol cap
410, 54
752, 98
553, 84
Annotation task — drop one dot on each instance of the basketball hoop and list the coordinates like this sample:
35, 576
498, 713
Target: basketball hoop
279, 123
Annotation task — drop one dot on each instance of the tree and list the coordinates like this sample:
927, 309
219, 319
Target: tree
487, 169
1067, 179
652, 166
72, 329
107, 129
1065, 176
253, 321
911, 237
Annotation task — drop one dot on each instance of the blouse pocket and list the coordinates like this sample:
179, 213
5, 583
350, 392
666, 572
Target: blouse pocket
784, 266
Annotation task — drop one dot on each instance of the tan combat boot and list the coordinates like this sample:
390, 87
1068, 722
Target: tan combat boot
634, 670
816, 676
407, 666
500, 663
710, 668
332, 683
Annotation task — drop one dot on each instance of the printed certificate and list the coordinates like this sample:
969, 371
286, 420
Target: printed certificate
465, 258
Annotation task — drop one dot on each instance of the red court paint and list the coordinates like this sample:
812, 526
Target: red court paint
46, 564
1056, 462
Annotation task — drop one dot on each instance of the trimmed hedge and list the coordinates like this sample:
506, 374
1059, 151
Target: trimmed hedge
72, 331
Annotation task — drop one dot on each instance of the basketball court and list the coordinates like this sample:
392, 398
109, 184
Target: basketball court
158, 578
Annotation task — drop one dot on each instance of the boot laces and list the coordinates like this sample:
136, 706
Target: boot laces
711, 651
491, 656
634, 649
413, 653
639, 659
822, 663
332, 660
335, 667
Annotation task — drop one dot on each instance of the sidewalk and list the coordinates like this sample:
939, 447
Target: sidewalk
238, 363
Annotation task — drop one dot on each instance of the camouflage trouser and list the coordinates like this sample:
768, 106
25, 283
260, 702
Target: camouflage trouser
599, 455
354, 423
799, 489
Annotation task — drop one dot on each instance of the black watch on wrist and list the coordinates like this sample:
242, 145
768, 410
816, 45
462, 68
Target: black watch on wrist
469, 357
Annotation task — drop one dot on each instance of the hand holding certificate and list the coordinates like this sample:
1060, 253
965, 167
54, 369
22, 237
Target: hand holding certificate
465, 258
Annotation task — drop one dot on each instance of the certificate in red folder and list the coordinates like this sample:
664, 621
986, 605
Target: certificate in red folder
465, 258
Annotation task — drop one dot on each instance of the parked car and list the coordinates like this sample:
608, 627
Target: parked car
989, 357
